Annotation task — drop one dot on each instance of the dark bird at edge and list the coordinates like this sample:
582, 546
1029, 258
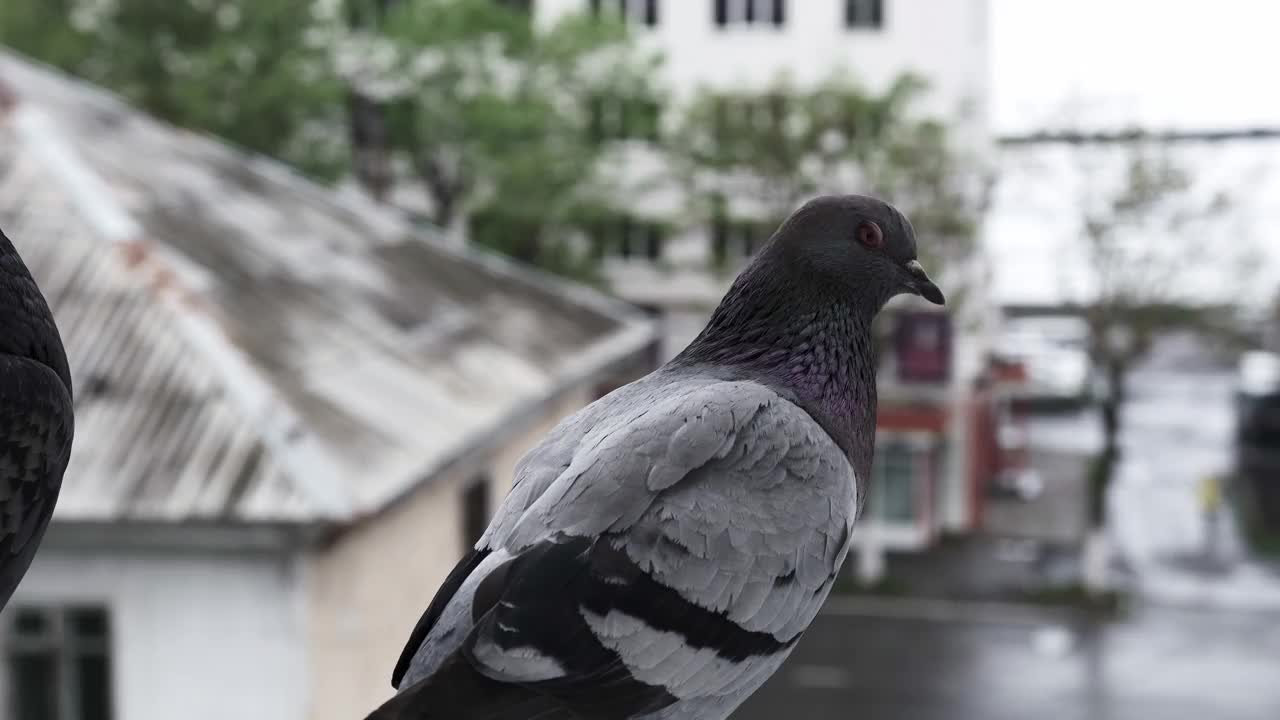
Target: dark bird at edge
36, 417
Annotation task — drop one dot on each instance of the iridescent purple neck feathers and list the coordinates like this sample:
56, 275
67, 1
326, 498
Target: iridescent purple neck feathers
810, 348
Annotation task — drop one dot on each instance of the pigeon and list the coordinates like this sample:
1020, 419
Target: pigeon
36, 419
663, 549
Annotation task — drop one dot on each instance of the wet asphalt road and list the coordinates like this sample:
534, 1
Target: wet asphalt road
1160, 665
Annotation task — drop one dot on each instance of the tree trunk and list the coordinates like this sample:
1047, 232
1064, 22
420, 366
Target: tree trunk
444, 191
370, 145
1105, 464
367, 118
1101, 472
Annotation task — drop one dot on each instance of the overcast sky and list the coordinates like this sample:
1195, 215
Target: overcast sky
1159, 63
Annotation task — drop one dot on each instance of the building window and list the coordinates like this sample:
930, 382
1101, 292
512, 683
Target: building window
740, 124
750, 12
615, 118
475, 511
367, 13
59, 663
632, 11
627, 237
922, 346
864, 13
734, 240
893, 483
523, 6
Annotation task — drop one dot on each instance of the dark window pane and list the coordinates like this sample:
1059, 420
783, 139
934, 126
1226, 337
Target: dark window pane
30, 621
88, 623
367, 13
850, 122
779, 12
923, 347
627, 234
651, 115
722, 12
595, 121
654, 249
777, 111
63, 671
751, 10
651, 12
719, 119
626, 121
34, 684
719, 239
599, 238
475, 511
95, 687
875, 122
864, 13
895, 474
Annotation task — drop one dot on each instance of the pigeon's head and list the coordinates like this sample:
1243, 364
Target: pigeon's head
857, 245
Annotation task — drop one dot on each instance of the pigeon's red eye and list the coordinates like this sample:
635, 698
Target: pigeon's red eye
869, 234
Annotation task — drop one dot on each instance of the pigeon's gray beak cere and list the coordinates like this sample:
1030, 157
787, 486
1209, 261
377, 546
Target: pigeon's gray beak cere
921, 285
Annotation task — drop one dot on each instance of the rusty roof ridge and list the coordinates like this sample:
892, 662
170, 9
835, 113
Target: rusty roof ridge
176, 281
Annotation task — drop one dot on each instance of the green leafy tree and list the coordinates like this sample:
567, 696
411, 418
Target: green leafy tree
250, 71
760, 154
491, 117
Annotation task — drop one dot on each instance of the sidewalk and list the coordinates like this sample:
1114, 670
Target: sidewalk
1058, 515
977, 568
1226, 579
1178, 431
1026, 549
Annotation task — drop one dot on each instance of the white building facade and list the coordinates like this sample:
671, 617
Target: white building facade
751, 44
932, 461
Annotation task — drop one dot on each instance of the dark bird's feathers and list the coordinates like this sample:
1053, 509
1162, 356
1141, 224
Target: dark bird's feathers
36, 418
663, 549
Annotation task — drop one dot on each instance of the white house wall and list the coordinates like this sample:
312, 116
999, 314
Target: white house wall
193, 636
367, 590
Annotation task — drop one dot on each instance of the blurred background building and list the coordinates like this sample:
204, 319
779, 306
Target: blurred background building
294, 412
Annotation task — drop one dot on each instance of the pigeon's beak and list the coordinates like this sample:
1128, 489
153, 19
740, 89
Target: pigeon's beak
920, 284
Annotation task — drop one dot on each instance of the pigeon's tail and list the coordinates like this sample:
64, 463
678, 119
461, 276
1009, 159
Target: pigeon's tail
457, 692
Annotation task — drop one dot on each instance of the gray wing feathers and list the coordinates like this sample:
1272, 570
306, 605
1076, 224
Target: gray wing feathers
728, 493
757, 532
724, 491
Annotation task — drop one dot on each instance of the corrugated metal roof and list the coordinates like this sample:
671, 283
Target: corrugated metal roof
247, 346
